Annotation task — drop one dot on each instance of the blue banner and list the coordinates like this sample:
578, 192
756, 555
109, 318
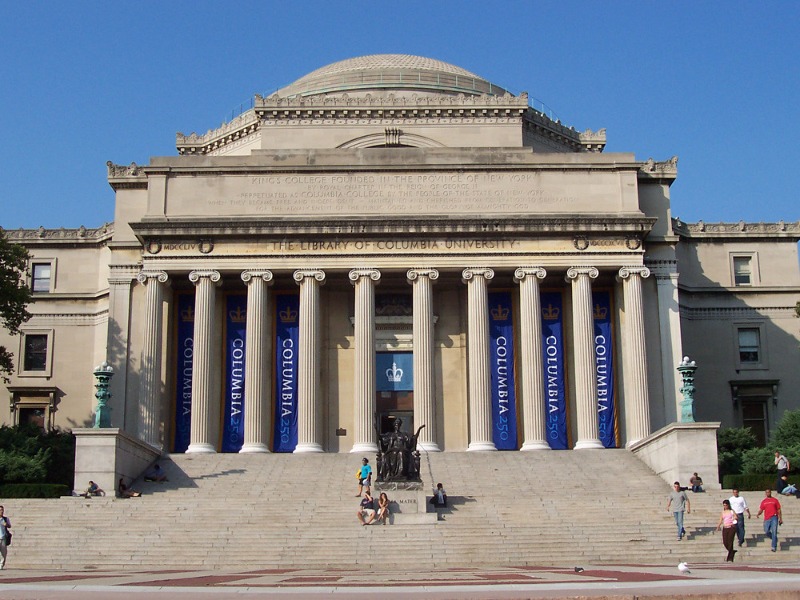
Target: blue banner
287, 327
394, 371
604, 368
233, 417
183, 369
501, 360
554, 375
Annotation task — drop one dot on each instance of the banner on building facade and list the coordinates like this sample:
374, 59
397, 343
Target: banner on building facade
604, 369
501, 361
554, 376
233, 415
287, 327
394, 371
184, 324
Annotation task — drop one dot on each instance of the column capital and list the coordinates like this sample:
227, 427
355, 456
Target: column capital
575, 272
213, 275
472, 272
414, 274
523, 272
302, 274
357, 274
252, 275
146, 276
626, 272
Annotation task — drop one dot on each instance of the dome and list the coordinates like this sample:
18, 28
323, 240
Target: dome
400, 72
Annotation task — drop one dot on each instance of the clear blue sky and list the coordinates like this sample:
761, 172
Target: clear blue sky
715, 83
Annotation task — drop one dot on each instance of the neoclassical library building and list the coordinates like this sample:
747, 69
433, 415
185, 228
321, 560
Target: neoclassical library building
394, 240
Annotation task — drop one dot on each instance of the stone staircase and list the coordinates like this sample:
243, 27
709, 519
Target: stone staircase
277, 511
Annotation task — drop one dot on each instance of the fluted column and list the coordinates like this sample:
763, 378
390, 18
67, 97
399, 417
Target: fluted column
308, 363
480, 401
150, 371
424, 393
258, 366
364, 281
583, 343
203, 394
634, 356
533, 400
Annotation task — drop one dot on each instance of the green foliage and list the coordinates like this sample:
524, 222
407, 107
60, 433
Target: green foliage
34, 490
28, 455
14, 296
787, 433
748, 482
731, 445
758, 461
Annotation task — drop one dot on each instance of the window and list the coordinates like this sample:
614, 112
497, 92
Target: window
749, 345
40, 277
754, 416
35, 352
34, 405
742, 270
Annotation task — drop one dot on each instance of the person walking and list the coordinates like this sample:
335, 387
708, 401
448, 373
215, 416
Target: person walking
364, 477
772, 517
727, 522
739, 506
5, 537
783, 466
679, 502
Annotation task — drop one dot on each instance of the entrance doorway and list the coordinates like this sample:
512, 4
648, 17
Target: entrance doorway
392, 405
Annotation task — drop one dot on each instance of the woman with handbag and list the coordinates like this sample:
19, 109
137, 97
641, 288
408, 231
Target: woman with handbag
5, 537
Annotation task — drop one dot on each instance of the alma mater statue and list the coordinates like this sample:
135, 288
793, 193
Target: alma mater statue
398, 458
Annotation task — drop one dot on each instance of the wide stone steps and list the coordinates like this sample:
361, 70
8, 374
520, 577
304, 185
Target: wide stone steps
273, 511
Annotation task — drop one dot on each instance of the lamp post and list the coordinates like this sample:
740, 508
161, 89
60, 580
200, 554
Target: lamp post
687, 369
103, 374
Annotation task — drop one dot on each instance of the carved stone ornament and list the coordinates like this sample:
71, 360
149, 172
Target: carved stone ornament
212, 275
523, 272
205, 246
473, 272
146, 276
580, 242
633, 242
667, 166
357, 274
575, 272
264, 274
301, 274
131, 170
414, 274
153, 246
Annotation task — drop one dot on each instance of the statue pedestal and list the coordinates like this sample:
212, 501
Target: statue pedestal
407, 502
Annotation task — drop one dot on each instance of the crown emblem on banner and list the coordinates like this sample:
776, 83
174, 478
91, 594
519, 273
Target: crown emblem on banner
500, 313
550, 313
600, 312
395, 375
288, 315
238, 315
187, 314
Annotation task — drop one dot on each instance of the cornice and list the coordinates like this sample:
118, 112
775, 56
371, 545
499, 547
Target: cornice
701, 229
81, 235
761, 313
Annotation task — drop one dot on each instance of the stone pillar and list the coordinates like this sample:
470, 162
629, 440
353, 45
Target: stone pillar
669, 324
634, 356
424, 393
480, 409
531, 366
258, 363
150, 370
204, 397
364, 281
308, 363
583, 343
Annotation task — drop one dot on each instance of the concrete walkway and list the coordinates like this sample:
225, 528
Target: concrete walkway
780, 580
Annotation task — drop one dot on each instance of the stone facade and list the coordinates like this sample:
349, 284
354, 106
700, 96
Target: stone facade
390, 208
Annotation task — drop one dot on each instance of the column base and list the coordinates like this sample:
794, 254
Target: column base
364, 447
632, 442
481, 447
428, 446
534, 446
254, 449
308, 449
589, 445
201, 448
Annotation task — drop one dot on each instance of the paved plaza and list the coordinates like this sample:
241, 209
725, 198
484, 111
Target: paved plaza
780, 580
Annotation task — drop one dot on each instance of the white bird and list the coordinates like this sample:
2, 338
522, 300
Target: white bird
683, 568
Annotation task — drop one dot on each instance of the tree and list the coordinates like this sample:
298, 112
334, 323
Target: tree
14, 296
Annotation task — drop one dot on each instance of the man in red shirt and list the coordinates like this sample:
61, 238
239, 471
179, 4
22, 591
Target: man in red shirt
772, 517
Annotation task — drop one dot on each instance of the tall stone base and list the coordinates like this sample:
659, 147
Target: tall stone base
407, 502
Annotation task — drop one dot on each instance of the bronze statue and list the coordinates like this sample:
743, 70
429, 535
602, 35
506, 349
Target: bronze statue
398, 458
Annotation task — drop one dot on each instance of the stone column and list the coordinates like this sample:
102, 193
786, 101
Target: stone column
204, 397
480, 408
531, 367
634, 357
150, 370
424, 393
669, 324
364, 281
308, 363
583, 343
258, 364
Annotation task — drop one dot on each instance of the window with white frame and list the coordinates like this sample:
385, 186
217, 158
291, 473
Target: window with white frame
36, 353
41, 273
749, 345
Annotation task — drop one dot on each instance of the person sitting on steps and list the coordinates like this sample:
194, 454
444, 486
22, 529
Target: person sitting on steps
93, 490
126, 492
383, 508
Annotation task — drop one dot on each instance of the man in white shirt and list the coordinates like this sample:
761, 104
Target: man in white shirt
739, 506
